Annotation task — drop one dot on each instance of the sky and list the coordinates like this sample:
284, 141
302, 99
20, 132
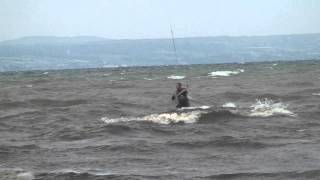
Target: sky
140, 19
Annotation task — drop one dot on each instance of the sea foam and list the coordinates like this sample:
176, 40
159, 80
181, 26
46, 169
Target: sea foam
96, 172
176, 77
267, 108
224, 73
229, 105
194, 108
162, 118
25, 176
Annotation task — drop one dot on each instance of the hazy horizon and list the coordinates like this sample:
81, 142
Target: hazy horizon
150, 38
144, 19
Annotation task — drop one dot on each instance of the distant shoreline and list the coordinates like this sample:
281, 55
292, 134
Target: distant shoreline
160, 38
94, 52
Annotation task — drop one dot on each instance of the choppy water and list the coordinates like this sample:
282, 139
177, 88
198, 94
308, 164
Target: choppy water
248, 121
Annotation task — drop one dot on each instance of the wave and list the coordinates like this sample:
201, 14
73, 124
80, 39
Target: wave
181, 116
25, 176
103, 174
235, 95
176, 77
75, 133
41, 102
83, 175
229, 105
7, 152
16, 174
223, 141
162, 118
23, 112
57, 103
138, 147
240, 96
21, 147
195, 108
224, 73
299, 84
309, 174
262, 108
110, 129
267, 108
222, 114
116, 129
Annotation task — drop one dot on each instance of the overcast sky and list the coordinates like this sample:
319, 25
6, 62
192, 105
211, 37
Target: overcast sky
152, 18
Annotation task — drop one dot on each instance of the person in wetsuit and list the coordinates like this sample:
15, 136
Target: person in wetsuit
181, 95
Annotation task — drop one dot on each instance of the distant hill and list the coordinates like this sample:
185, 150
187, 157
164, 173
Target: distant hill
48, 52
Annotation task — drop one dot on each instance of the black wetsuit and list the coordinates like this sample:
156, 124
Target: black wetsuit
182, 97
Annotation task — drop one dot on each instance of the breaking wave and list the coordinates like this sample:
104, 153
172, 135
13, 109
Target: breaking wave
163, 118
267, 108
316, 94
94, 175
193, 108
16, 174
262, 108
224, 73
176, 77
229, 105
307, 174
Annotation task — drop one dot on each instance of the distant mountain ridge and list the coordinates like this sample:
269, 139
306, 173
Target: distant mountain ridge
49, 52
83, 39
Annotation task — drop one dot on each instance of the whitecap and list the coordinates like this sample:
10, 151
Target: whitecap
301, 130
25, 176
45, 73
101, 173
176, 77
167, 118
316, 94
267, 108
96, 172
224, 73
229, 105
67, 171
148, 79
117, 120
162, 118
193, 108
